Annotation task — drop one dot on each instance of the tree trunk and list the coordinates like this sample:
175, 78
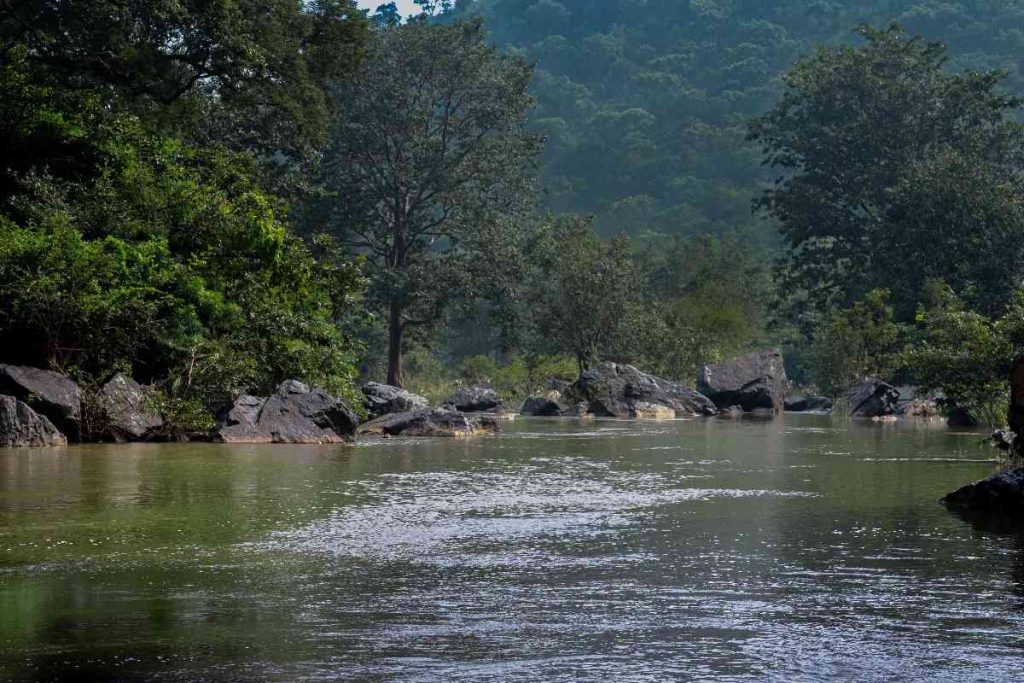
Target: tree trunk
395, 333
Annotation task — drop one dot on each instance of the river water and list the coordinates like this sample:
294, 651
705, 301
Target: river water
800, 549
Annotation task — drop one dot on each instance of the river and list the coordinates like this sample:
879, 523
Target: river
800, 549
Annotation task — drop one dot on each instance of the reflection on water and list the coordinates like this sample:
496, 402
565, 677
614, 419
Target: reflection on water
580, 551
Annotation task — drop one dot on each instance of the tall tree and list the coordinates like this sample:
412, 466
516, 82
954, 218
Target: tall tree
587, 293
430, 165
893, 170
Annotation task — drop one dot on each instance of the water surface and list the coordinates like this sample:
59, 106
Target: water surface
802, 549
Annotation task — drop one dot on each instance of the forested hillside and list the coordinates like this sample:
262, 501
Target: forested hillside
645, 104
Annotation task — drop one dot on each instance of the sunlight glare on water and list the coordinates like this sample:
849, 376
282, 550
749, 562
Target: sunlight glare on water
799, 549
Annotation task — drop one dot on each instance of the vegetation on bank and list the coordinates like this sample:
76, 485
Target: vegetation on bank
214, 197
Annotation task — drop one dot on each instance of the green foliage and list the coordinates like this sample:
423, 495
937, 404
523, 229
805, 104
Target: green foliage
429, 168
893, 171
135, 233
586, 294
965, 354
857, 342
645, 105
710, 295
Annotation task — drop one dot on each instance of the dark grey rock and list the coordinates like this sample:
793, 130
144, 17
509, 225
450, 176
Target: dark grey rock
1001, 494
48, 393
872, 398
752, 381
808, 404
20, 426
128, 409
382, 399
295, 413
549, 405
615, 390
475, 399
430, 422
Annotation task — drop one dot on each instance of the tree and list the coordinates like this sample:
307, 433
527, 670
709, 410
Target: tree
586, 293
964, 354
860, 341
430, 166
249, 75
893, 170
133, 235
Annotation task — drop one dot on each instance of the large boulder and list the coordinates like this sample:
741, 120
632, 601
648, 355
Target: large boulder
474, 399
872, 398
430, 422
618, 390
48, 393
22, 426
1001, 494
548, 405
382, 399
295, 413
752, 381
807, 404
129, 411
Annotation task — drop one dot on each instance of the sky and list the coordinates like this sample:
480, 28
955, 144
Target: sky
405, 7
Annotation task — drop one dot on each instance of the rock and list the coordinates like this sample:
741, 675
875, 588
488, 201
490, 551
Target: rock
127, 410
918, 407
731, 413
615, 390
430, 422
475, 399
382, 399
295, 413
548, 405
47, 393
652, 411
961, 417
807, 404
580, 409
1002, 494
754, 380
21, 426
1002, 439
871, 398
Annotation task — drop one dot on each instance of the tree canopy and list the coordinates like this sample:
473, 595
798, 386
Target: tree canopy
429, 166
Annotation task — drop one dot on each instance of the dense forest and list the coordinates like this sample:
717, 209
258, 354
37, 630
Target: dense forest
216, 197
645, 104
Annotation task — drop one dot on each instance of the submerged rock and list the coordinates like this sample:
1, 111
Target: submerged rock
808, 404
872, 398
752, 381
617, 390
128, 411
47, 393
431, 422
475, 399
295, 413
1001, 494
20, 426
382, 399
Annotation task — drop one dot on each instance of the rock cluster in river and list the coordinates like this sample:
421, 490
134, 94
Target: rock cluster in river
430, 422
129, 411
620, 390
383, 399
295, 413
48, 393
20, 426
753, 381
872, 397
475, 399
